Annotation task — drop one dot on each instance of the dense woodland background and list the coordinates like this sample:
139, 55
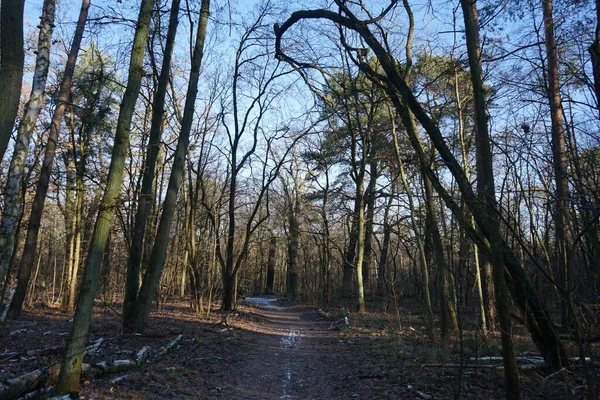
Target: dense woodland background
363, 152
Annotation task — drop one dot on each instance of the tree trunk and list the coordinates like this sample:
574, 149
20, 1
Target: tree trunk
594, 51
144, 199
487, 194
12, 57
71, 369
159, 250
448, 318
370, 197
37, 208
349, 258
271, 266
360, 245
382, 267
294, 232
11, 212
559, 160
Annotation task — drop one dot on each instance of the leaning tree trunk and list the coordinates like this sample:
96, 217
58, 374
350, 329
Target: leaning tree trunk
71, 369
37, 208
12, 56
539, 323
144, 199
159, 250
11, 213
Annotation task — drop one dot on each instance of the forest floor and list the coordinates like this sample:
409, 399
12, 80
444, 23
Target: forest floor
271, 349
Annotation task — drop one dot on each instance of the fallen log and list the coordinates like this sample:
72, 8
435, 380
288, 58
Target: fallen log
35, 381
29, 382
487, 366
169, 346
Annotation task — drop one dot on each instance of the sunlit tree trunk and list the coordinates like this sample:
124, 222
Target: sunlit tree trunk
559, 160
370, 215
144, 204
70, 372
159, 250
11, 66
37, 209
11, 211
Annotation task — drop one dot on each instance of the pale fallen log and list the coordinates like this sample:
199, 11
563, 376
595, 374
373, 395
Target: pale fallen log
33, 381
94, 347
169, 346
29, 382
487, 366
142, 355
325, 314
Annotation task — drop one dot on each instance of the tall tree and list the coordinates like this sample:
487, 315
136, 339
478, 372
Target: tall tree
487, 193
559, 158
539, 323
159, 250
70, 372
149, 168
11, 213
37, 209
12, 56
594, 50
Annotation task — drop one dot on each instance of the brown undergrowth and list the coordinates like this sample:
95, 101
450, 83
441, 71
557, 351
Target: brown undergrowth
287, 351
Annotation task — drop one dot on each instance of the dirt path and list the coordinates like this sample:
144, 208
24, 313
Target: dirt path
289, 359
269, 350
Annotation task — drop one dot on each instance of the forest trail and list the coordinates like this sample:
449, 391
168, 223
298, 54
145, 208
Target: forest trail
267, 349
290, 359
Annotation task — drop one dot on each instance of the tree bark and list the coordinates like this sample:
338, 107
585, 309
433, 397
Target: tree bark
559, 160
271, 266
448, 315
382, 267
294, 234
144, 199
487, 194
37, 209
594, 51
159, 250
349, 258
369, 223
12, 56
71, 369
11, 212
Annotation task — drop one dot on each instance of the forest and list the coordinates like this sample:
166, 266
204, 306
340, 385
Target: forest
400, 195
